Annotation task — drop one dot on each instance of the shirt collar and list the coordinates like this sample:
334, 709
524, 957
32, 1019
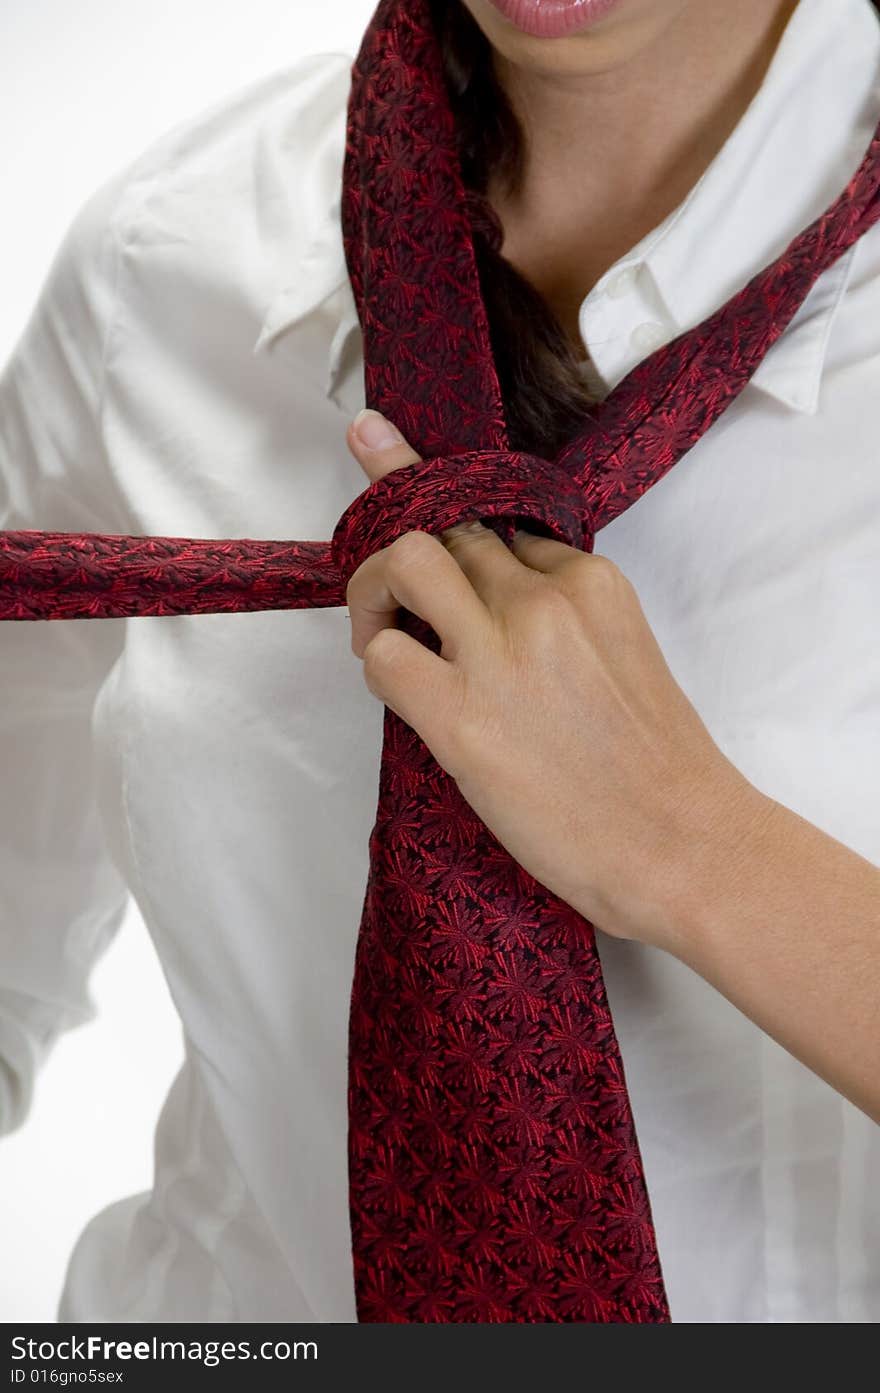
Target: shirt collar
322, 274
790, 155
300, 179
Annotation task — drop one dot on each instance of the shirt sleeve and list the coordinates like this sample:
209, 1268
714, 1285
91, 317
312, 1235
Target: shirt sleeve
61, 896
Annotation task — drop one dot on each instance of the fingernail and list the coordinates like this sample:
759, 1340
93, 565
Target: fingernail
373, 431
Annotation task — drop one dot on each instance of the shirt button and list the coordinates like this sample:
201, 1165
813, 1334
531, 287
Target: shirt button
622, 283
647, 337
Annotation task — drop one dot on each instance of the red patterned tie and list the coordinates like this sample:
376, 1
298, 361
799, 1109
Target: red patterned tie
494, 1169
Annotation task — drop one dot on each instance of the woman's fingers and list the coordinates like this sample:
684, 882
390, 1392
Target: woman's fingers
494, 573
544, 553
378, 445
379, 448
413, 572
418, 572
423, 689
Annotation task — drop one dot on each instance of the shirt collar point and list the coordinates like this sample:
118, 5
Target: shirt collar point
322, 272
801, 395
793, 368
348, 323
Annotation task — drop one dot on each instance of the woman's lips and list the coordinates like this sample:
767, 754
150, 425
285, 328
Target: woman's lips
553, 19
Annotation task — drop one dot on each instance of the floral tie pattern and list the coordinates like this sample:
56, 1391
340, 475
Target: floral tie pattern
494, 1169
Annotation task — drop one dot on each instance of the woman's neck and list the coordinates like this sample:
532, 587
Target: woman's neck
610, 153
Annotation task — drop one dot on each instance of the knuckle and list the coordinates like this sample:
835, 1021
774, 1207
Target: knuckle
598, 585
382, 655
411, 549
546, 609
600, 574
353, 588
544, 621
463, 534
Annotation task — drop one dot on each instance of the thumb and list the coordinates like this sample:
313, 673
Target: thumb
379, 448
378, 445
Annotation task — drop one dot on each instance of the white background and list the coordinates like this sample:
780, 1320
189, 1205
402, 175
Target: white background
85, 85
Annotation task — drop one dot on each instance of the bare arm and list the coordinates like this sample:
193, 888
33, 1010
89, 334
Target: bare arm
785, 921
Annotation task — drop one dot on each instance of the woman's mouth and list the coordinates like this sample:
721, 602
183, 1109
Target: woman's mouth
553, 19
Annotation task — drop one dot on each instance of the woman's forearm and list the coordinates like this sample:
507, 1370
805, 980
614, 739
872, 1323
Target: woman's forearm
785, 921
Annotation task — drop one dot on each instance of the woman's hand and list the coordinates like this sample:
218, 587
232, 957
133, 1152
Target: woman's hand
552, 707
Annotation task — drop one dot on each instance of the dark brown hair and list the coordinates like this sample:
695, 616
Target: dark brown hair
545, 397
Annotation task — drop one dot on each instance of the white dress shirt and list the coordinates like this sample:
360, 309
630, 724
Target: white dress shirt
190, 369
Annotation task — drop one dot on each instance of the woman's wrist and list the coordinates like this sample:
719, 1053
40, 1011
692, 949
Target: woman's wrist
783, 920
727, 848
719, 830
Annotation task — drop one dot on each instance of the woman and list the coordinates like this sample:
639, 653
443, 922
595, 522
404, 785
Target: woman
189, 370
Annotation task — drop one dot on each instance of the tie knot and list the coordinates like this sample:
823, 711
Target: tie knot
508, 487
